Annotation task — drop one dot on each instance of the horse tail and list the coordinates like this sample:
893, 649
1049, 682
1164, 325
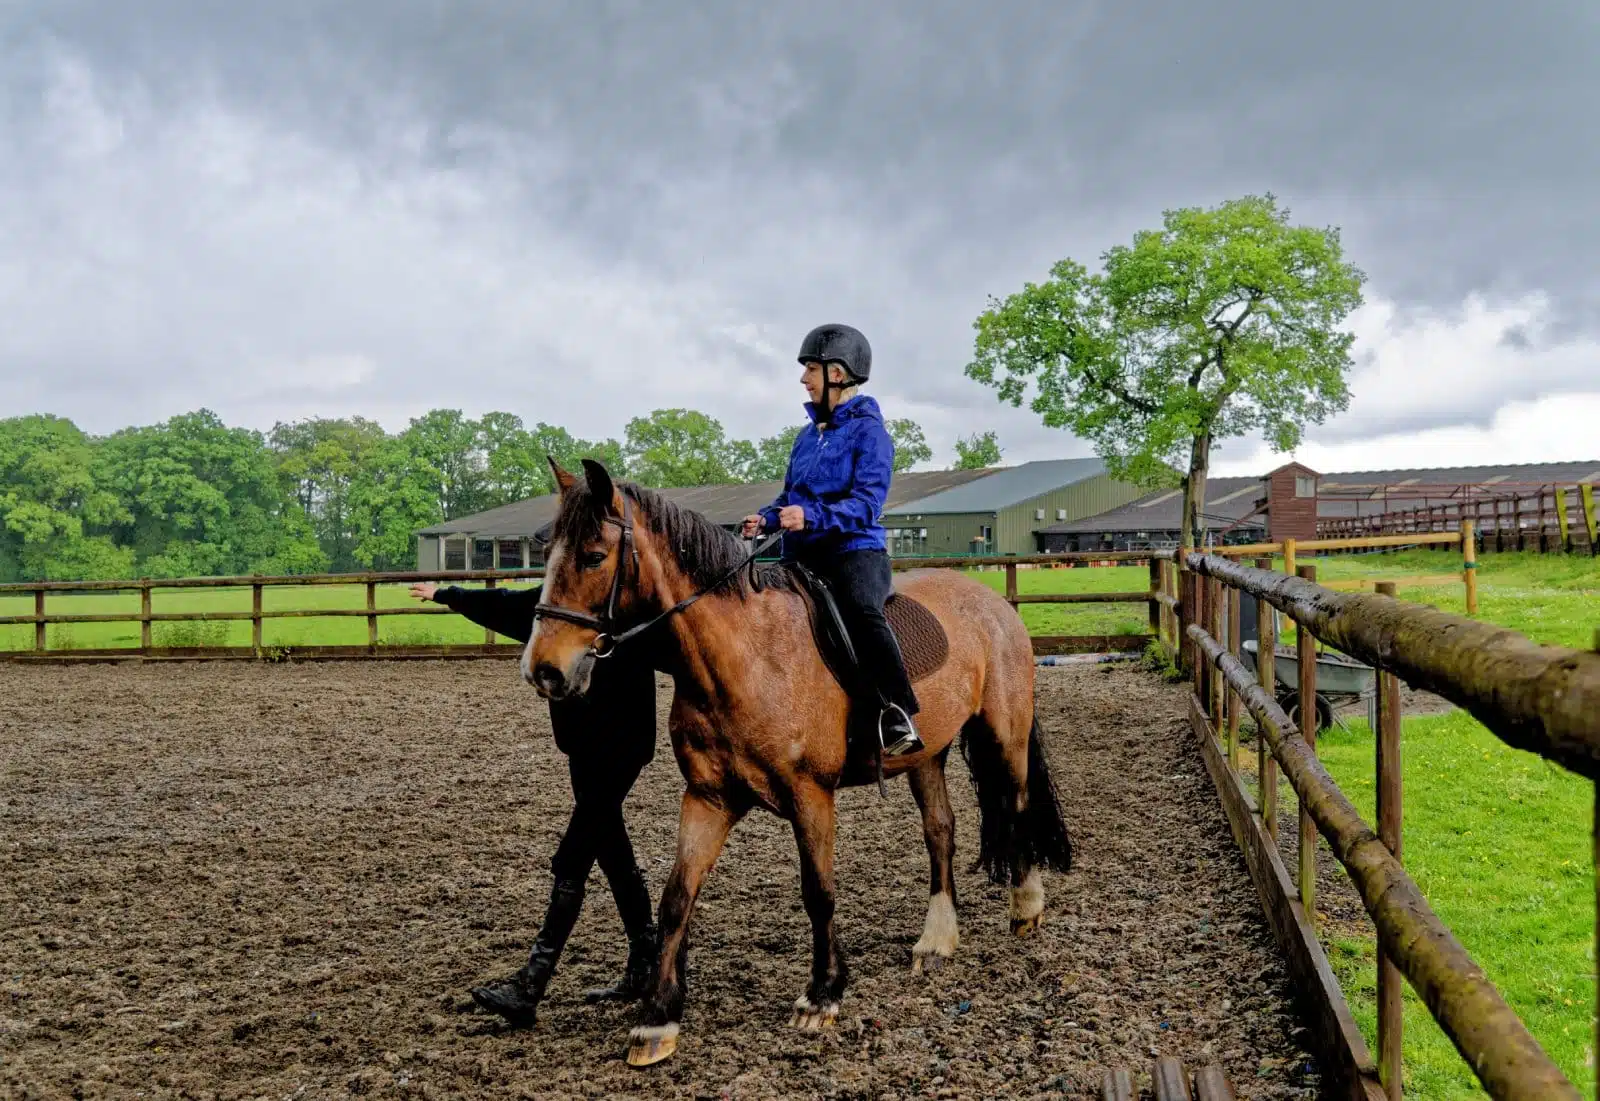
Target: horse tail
1050, 844
1037, 837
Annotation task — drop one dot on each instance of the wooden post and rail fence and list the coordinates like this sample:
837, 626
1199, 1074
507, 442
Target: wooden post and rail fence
1550, 519
1543, 699
43, 617
1160, 598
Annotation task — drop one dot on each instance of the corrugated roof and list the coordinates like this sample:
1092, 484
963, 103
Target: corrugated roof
722, 504
1004, 487
1339, 494
1227, 499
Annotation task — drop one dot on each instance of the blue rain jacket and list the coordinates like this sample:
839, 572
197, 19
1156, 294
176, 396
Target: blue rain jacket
840, 478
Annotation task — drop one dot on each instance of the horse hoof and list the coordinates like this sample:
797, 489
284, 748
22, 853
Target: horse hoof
1024, 927
927, 962
649, 1044
808, 1017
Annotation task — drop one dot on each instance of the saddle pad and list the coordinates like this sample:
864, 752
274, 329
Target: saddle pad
923, 643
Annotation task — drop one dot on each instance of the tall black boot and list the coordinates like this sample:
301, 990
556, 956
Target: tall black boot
633, 904
517, 997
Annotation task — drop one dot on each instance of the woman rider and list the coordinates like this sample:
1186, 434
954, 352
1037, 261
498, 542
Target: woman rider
833, 496
608, 736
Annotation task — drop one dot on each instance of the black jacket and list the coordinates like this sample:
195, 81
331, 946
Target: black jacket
615, 724
506, 612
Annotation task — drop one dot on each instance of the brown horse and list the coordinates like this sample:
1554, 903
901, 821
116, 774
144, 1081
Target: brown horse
758, 720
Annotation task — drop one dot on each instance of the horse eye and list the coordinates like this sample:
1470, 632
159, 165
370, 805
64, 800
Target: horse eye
591, 559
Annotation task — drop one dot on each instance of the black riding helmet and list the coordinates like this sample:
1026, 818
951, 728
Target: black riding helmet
839, 344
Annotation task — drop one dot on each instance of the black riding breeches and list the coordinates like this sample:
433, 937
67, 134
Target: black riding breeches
861, 581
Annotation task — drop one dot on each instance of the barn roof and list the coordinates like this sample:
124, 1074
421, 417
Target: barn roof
1000, 488
722, 504
1363, 492
1227, 500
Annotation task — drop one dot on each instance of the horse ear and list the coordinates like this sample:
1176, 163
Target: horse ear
564, 480
601, 490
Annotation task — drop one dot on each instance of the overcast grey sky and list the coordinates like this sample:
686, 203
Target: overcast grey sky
582, 211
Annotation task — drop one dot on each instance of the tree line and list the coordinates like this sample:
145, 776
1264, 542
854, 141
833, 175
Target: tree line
193, 496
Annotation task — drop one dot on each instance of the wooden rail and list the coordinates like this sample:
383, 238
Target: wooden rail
1544, 699
372, 613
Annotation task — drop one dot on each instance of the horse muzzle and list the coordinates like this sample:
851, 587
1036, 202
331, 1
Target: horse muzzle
553, 682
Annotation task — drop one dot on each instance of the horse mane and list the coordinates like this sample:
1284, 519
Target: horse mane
704, 551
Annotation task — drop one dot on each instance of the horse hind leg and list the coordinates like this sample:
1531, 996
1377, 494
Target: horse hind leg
940, 935
1043, 838
1022, 829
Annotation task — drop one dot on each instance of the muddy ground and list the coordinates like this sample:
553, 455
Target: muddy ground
230, 880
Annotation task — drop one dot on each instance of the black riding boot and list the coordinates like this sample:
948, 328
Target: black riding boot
516, 998
633, 904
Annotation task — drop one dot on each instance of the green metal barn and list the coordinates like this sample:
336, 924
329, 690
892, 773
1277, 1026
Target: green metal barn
999, 512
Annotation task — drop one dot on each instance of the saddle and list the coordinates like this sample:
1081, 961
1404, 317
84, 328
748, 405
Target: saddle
924, 647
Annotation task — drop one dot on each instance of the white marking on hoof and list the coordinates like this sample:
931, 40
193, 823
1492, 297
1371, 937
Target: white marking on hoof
649, 1044
939, 935
808, 1017
1027, 904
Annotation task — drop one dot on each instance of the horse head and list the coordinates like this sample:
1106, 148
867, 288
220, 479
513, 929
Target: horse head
591, 582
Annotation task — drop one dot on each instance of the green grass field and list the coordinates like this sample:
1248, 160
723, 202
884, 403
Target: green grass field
1497, 839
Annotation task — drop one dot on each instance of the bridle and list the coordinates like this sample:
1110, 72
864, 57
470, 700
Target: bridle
608, 638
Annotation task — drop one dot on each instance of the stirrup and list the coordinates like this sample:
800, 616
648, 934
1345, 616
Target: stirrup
909, 742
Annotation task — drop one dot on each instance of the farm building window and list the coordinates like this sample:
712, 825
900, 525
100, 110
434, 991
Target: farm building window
1305, 485
455, 554
483, 554
1061, 514
510, 554
1038, 514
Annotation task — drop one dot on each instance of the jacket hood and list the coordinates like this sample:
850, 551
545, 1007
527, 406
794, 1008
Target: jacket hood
860, 407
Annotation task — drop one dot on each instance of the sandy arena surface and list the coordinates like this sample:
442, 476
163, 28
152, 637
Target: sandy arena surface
235, 880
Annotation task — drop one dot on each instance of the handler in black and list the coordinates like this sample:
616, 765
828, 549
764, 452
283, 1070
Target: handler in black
608, 736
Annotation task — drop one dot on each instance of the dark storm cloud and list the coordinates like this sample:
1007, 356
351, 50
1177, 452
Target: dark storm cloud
619, 192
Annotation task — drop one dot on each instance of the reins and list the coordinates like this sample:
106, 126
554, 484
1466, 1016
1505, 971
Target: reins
606, 642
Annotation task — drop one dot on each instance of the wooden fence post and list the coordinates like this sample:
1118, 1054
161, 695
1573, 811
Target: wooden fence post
255, 618
1586, 498
1561, 519
1308, 720
1214, 629
1390, 794
1290, 546
1185, 611
1234, 703
1469, 564
488, 632
372, 617
144, 616
38, 627
1267, 669
1156, 618
1011, 584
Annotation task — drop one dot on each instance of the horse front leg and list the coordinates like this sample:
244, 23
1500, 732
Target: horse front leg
814, 827
703, 826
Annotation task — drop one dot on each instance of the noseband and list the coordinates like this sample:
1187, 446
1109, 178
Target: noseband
607, 639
